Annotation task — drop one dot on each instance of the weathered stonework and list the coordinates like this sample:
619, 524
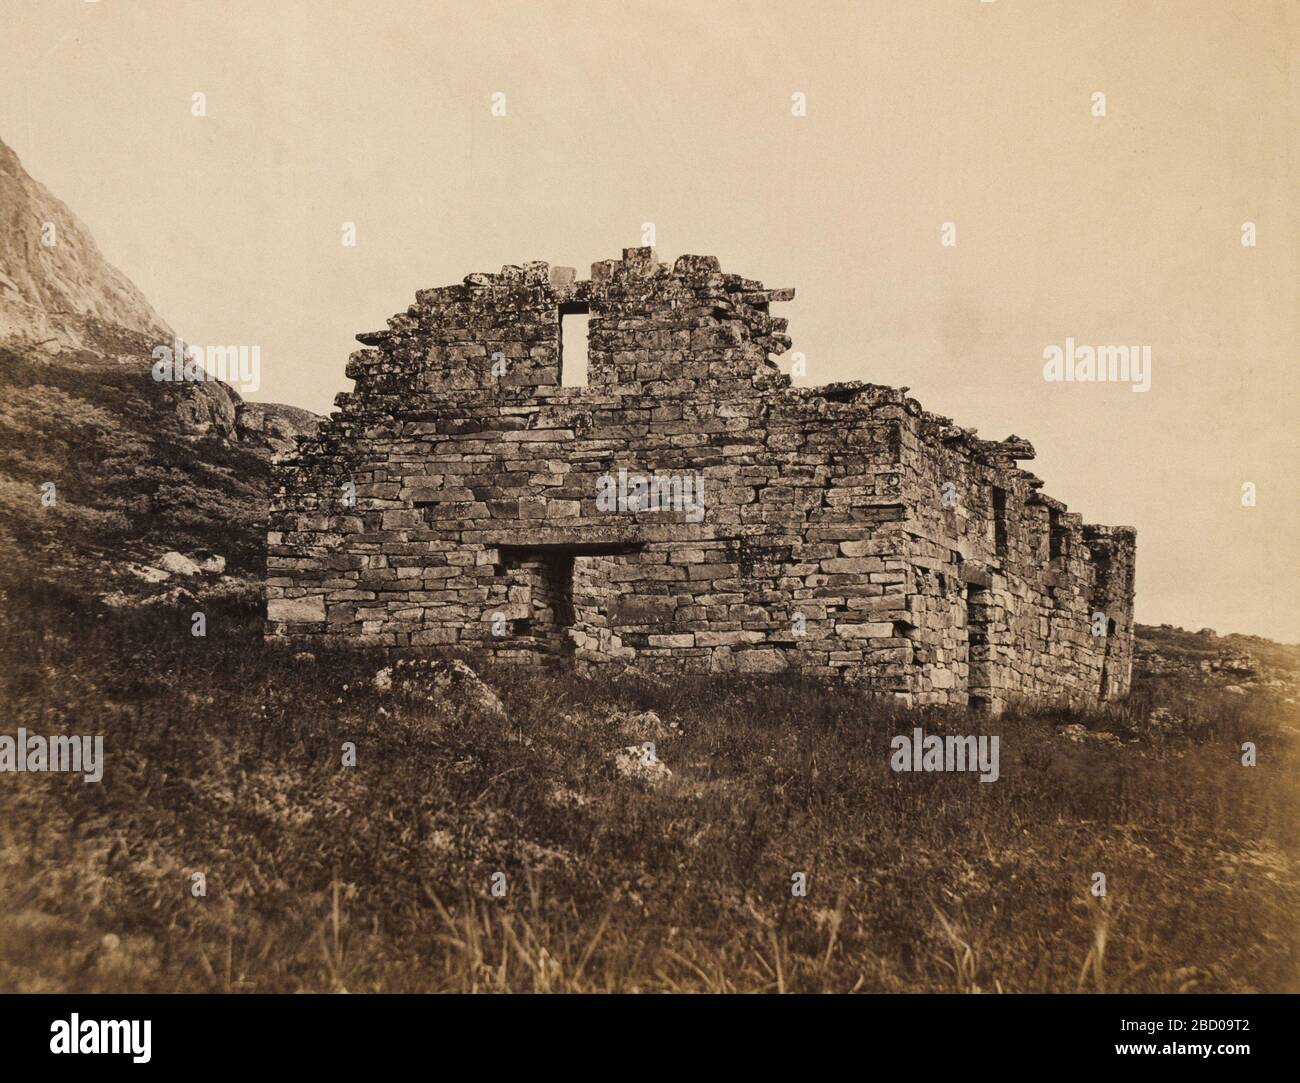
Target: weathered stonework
845, 532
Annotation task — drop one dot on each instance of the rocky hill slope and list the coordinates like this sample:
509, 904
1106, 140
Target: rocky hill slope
52, 276
103, 469
1237, 664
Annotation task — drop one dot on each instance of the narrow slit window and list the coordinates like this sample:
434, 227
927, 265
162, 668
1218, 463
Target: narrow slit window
1000, 521
1057, 534
574, 328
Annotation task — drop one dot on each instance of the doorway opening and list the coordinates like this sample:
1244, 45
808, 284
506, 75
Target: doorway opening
555, 590
1105, 661
979, 658
544, 610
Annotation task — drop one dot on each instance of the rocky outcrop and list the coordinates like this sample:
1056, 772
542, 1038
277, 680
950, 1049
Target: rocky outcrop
102, 466
1235, 664
54, 282
273, 426
211, 408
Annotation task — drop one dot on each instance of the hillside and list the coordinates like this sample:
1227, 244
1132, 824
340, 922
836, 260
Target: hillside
139, 467
1236, 663
52, 275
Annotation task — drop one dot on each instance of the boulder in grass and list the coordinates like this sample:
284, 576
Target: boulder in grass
177, 596
211, 563
639, 762
645, 726
436, 679
178, 564
1079, 733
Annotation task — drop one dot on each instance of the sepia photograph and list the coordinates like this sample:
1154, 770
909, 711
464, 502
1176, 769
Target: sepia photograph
639, 499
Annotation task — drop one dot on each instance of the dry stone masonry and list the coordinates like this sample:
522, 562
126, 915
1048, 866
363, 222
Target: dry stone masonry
462, 497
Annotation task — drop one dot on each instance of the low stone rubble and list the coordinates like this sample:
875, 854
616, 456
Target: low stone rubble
178, 564
642, 765
434, 680
1080, 734
645, 726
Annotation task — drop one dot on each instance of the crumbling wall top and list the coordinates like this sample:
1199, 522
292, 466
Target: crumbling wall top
662, 328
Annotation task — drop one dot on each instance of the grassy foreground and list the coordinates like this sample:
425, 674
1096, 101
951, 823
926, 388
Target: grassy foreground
224, 757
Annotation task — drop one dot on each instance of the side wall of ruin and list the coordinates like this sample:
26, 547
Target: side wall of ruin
1015, 596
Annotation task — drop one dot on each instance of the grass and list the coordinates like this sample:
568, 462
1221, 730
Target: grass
131, 478
224, 758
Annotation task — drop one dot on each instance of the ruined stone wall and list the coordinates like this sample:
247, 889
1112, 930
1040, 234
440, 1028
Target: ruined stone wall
453, 501
1017, 597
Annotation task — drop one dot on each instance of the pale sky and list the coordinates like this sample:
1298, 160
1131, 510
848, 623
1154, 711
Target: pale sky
1122, 229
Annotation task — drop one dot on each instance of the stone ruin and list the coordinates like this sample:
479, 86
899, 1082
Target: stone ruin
686, 510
